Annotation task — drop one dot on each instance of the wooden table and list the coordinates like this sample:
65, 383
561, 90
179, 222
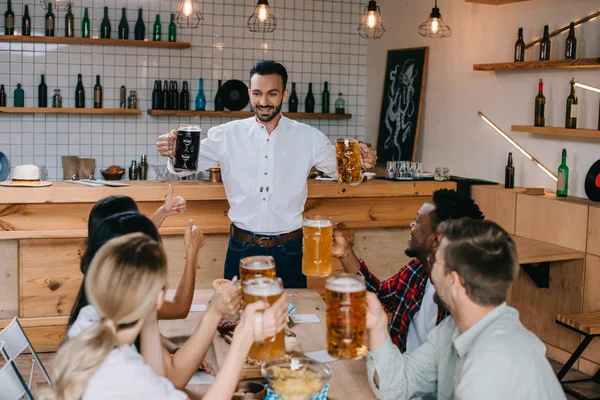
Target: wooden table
349, 378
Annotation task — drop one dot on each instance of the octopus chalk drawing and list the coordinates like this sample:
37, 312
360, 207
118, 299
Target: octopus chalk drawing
401, 105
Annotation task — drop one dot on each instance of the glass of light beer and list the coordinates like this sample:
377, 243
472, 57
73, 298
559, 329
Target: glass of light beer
346, 316
253, 267
316, 244
348, 161
268, 290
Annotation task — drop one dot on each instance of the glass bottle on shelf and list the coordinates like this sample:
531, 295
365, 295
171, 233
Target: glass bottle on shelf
309, 102
79, 93
139, 29
49, 21
172, 29
340, 105
43, 94
85, 24
123, 32
200, 97
26, 28
2, 96
293, 101
19, 96
69, 22
520, 47
184, 97
97, 93
57, 99
156, 31
545, 45
9, 20
105, 25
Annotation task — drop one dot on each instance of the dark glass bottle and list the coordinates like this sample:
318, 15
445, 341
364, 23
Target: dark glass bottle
184, 97
123, 25
139, 32
545, 46
105, 25
42, 94
325, 100
572, 104
19, 96
309, 102
157, 101
156, 30
293, 101
174, 96
9, 20
520, 47
172, 29
26, 29
49, 21
2, 96
97, 93
219, 106
166, 96
85, 24
571, 44
509, 173
69, 23
79, 93
540, 106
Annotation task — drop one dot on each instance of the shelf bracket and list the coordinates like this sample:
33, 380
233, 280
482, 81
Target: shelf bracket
539, 273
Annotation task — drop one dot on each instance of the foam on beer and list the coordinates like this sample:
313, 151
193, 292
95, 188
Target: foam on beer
345, 284
266, 288
319, 223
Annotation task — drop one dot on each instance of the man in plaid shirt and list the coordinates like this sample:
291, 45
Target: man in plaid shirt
408, 295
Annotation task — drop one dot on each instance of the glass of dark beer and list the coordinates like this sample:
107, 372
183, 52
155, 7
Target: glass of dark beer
187, 148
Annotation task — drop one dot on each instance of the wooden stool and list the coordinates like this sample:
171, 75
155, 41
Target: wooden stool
588, 325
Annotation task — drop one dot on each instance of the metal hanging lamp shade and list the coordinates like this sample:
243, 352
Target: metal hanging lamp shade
59, 5
262, 19
370, 26
188, 14
435, 27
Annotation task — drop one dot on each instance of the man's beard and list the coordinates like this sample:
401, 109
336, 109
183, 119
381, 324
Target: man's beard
438, 300
269, 117
412, 253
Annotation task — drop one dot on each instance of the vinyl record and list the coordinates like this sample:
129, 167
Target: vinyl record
4, 167
234, 95
592, 182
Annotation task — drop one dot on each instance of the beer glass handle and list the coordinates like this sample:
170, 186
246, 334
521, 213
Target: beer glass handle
258, 327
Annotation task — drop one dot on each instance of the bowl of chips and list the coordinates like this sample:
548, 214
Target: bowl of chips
296, 378
112, 173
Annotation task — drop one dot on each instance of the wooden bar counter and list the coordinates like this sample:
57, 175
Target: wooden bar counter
43, 231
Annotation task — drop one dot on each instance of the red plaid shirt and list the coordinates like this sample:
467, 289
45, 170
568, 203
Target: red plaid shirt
401, 295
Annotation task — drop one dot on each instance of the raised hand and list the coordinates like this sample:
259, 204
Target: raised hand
174, 204
227, 299
193, 238
166, 144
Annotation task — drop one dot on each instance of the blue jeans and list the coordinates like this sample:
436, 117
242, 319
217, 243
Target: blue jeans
288, 259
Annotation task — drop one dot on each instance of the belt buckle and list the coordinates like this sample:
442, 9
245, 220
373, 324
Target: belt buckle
262, 240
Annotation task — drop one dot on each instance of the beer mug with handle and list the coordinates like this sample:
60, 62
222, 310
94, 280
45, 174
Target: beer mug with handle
268, 290
316, 243
253, 267
187, 148
346, 316
347, 154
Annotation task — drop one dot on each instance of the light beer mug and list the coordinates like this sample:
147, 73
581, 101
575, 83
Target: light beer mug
348, 161
254, 267
346, 316
268, 290
316, 244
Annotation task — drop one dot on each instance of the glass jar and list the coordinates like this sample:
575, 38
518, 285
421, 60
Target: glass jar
340, 105
57, 99
132, 100
441, 174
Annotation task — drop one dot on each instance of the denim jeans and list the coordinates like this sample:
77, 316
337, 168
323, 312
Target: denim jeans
288, 259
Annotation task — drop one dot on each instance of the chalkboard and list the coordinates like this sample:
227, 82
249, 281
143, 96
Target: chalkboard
403, 92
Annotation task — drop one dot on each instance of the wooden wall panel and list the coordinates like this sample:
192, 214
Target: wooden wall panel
9, 275
538, 307
591, 301
497, 204
554, 221
593, 242
382, 249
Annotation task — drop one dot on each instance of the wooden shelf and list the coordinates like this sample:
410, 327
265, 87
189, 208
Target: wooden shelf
243, 114
580, 63
533, 251
551, 130
91, 41
50, 110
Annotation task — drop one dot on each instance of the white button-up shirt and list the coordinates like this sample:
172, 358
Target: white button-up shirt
265, 175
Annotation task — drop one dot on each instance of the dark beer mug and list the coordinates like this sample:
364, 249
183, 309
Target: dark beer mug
187, 148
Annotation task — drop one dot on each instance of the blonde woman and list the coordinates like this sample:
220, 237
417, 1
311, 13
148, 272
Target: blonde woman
126, 286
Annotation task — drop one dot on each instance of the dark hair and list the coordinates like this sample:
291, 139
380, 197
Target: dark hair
111, 227
270, 67
450, 204
483, 255
108, 206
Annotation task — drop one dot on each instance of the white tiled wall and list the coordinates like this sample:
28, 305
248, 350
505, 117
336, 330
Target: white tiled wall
316, 40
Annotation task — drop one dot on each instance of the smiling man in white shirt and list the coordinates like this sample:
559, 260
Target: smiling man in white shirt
265, 161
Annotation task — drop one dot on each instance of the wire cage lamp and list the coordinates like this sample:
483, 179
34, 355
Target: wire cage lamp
370, 26
435, 27
59, 5
188, 14
262, 19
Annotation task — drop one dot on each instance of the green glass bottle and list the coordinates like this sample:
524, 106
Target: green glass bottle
97, 93
123, 26
325, 100
156, 29
69, 23
572, 105
79, 93
293, 101
9, 20
172, 29
105, 25
309, 102
562, 186
139, 30
19, 96
42, 94
49, 21
85, 24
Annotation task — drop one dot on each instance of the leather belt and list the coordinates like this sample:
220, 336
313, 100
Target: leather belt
266, 240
